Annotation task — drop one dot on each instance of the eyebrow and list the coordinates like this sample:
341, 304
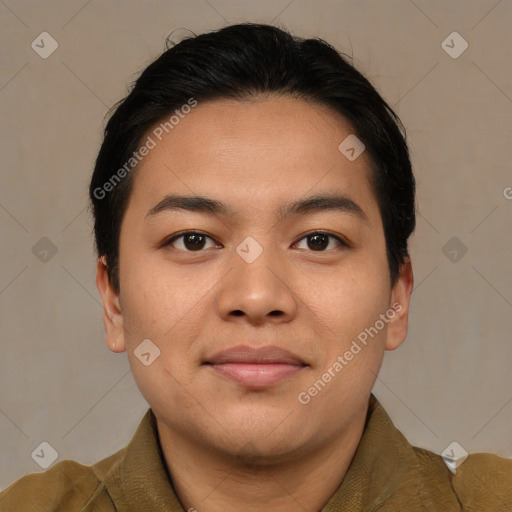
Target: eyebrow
308, 205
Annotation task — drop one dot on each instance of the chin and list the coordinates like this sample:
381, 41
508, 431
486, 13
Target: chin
257, 451
263, 439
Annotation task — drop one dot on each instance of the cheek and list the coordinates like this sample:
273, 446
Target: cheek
353, 346
149, 307
154, 309
357, 287
352, 301
163, 303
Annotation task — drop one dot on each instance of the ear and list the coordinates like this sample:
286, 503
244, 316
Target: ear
400, 298
112, 314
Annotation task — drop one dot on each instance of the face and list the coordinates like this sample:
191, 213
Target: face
267, 314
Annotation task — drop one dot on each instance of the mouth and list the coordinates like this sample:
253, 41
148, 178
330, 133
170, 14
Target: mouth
256, 368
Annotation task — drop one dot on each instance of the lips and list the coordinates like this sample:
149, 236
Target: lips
256, 367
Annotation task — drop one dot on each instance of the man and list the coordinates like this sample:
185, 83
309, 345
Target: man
253, 198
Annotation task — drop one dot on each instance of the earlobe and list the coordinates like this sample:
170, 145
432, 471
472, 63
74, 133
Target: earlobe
112, 314
400, 299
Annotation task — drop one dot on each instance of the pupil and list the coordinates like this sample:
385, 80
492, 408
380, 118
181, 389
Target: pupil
316, 242
194, 241
319, 241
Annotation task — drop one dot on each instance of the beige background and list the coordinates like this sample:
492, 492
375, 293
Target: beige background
451, 380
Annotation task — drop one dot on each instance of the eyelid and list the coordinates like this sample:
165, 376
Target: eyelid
342, 241
174, 237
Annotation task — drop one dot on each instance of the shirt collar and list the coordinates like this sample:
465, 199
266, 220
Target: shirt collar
141, 483
384, 463
380, 467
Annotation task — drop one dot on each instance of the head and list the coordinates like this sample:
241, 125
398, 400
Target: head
230, 211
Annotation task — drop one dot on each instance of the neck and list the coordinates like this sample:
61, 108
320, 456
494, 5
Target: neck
208, 481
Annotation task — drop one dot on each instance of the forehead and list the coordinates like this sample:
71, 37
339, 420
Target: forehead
269, 149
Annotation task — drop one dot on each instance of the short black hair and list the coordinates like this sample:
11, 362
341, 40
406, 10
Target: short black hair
241, 62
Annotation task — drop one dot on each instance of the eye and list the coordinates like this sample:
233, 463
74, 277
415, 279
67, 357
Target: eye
319, 240
195, 241
189, 241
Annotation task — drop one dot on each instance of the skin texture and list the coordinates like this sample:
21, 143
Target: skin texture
227, 446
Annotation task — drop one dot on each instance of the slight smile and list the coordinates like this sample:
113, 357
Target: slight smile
256, 368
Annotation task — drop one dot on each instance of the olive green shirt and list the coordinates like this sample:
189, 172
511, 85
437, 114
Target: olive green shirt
387, 474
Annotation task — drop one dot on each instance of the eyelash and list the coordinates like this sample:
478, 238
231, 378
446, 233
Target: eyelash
172, 239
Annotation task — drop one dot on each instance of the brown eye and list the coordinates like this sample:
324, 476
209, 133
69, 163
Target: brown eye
189, 241
319, 241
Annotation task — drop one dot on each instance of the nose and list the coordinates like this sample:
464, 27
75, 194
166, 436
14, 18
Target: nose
259, 290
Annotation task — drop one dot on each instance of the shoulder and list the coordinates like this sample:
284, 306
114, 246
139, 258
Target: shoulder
484, 480
68, 486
